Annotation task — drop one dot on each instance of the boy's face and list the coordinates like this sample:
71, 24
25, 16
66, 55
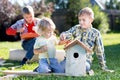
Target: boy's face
85, 21
28, 17
48, 32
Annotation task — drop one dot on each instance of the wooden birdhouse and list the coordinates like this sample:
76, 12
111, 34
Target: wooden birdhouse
76, 58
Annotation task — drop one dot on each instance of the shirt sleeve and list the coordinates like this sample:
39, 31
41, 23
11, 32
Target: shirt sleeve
99, 50
18, 25
11, 31
15, 27
71, 32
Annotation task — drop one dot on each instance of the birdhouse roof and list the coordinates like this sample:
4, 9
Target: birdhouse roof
79, 43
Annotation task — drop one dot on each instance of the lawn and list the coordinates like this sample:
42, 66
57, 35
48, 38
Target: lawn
112, 50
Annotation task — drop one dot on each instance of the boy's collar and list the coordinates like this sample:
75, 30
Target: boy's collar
85, 30
34, 21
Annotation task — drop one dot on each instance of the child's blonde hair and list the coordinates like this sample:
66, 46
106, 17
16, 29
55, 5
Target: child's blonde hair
45, 23
28, 10
87, 11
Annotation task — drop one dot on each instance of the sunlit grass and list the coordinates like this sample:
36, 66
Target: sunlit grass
112, 51
111, 39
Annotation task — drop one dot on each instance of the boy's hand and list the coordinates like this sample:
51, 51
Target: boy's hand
64, 42
41, 50
108, 70
62, 37
44, 48
21, 29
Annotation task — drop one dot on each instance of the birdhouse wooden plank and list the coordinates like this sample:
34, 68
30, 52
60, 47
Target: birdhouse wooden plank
76, 58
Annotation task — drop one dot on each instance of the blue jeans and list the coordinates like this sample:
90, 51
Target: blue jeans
88, 65
45, 67
28, 45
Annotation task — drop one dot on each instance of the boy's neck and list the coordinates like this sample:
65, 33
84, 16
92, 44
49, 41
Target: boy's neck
84, 29
29, 22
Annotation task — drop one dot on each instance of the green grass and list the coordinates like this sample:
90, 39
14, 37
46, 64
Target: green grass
6, 46
112, 50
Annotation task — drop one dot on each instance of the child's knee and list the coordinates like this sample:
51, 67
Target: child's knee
43, 70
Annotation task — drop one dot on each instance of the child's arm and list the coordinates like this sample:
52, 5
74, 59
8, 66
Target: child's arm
13, 29
40, 50
28, 35
61, 42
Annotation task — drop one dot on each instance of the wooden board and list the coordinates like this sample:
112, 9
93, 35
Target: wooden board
29, 73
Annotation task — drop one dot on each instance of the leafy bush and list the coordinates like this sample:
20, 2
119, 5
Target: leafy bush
101, 20
76, 5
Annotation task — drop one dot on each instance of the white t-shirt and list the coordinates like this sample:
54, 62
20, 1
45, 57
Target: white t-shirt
50, 42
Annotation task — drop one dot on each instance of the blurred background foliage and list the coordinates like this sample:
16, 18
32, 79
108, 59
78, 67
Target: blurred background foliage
113, 4
63, 12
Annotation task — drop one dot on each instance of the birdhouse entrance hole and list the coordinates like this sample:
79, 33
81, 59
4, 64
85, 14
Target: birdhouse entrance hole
75, 55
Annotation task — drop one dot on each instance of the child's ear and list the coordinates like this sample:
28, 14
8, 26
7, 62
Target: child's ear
92, 20
54, 34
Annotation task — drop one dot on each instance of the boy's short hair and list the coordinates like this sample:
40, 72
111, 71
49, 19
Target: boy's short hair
87, 11
28, 10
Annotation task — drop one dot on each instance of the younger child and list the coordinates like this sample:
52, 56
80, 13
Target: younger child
28, 36
45, 47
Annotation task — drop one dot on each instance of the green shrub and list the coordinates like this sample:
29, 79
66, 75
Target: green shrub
101, 20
